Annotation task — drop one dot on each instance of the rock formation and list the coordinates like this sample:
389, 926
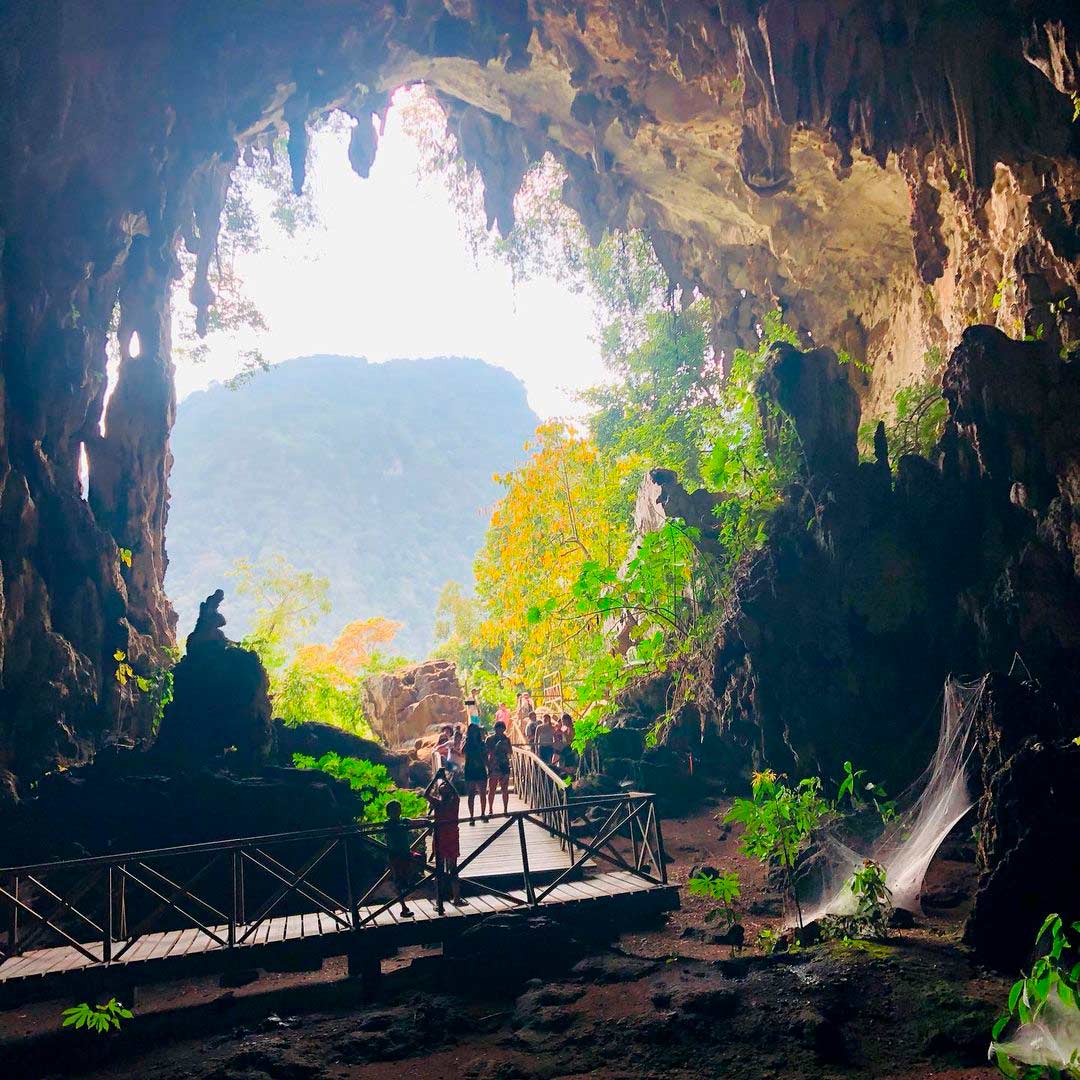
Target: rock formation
221, 700
1028, 817
837, 640
860, 164
402, 705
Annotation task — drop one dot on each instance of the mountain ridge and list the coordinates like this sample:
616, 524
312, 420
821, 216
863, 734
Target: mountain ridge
376, 475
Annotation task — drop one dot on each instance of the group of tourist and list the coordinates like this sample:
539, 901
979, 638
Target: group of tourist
549, 736
478, 763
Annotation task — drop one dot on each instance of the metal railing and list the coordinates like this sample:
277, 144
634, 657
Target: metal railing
228, 890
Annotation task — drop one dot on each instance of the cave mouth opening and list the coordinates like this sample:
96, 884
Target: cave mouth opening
398, 264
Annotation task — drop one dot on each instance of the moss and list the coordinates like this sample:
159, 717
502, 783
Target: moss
850, 947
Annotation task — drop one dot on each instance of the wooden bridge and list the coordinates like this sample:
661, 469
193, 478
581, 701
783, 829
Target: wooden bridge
291, 899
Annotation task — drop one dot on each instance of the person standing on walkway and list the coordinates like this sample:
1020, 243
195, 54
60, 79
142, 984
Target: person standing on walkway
398, 837
454, 753
445, 805
476, 772
559, 741
568, 756
545, 739
472, 702
525, 706
530, 731
498, 750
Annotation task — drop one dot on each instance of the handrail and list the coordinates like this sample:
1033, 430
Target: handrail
326, 877
327, 831
537, 784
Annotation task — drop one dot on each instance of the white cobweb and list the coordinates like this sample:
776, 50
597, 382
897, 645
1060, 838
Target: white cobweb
1051, 1040
942, 796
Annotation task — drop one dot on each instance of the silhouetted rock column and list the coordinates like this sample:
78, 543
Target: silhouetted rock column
1028, 822
221, 700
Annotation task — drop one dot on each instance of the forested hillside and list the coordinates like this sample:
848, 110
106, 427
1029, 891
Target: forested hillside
378, 477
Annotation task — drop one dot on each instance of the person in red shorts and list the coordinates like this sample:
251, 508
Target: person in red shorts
445, 804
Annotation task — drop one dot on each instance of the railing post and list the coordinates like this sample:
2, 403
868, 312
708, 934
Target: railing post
13, 925
633, 832
233, 869
107, 937
241, 912
659, 845
354, 907
122, 908
530, 892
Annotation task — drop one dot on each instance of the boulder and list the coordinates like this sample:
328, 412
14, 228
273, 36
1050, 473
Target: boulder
402, 705
525, 947
621, 742
1029, 818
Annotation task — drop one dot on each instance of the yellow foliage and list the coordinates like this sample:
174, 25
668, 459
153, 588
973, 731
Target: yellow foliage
561, 509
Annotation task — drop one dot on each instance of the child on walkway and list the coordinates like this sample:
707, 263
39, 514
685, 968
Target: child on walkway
398, 837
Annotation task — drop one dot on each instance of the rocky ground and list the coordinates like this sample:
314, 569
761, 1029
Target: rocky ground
662, 1000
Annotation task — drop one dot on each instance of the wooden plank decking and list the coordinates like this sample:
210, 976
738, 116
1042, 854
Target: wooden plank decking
526, 859
426, 924
502, 858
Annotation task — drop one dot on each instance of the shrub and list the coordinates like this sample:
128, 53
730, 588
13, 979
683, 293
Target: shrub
370, 781
723, 889
778, 821
873, 906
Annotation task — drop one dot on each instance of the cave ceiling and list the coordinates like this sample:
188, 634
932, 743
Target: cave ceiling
879, 168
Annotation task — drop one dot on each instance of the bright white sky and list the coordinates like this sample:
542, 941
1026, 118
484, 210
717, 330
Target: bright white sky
390, 275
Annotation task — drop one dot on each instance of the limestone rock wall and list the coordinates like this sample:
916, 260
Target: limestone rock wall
867, 165
838, 638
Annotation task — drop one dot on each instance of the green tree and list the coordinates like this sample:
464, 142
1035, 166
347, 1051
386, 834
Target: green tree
665, 389
287, 602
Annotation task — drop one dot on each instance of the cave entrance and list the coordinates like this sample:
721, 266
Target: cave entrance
291, 455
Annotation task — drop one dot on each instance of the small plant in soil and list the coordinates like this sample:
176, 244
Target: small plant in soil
859, 792
724, 891
873, 906
767, 940
99, 1018
778, 821
1047, 1001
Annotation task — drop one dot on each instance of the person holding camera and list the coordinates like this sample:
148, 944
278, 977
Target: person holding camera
445, 806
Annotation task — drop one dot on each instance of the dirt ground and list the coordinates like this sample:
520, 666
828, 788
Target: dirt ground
661, 1000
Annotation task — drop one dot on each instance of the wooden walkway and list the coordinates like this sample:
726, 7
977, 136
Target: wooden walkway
502, 859
174, 945
289, 900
